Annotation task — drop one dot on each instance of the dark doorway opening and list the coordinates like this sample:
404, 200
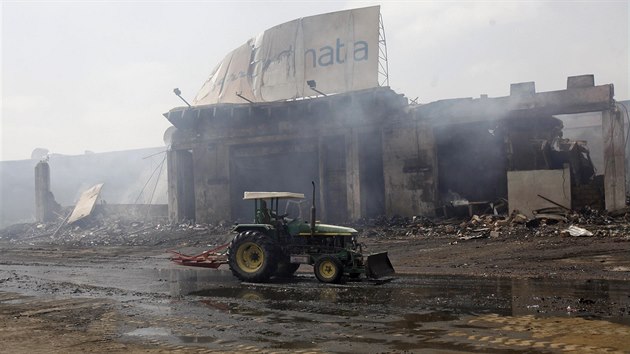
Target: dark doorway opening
287, 166
334, 179
471, 162
371, 174
185, 184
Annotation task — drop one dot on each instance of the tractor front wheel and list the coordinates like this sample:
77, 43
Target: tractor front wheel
253, 256
328, 269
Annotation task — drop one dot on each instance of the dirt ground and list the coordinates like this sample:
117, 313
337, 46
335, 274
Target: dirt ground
456, 280
544, 256
485, 245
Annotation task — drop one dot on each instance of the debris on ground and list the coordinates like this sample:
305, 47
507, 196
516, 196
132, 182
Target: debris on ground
546, 222
86, 204
100, 229
577, 231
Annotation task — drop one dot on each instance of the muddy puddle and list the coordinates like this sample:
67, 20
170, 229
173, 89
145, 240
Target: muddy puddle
201, 310
598, 299
416, 314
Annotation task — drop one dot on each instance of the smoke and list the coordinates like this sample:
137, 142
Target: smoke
123, 173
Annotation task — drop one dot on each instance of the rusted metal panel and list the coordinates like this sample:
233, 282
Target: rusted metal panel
86, 203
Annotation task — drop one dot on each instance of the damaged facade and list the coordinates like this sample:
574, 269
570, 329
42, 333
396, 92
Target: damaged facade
372, 153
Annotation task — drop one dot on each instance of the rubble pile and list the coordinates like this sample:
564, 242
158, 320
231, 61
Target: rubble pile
548, 222
116, 232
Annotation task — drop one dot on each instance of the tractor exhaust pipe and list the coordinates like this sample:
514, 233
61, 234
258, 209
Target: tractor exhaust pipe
313, 211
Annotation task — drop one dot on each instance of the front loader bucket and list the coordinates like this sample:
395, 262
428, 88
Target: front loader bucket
378, 265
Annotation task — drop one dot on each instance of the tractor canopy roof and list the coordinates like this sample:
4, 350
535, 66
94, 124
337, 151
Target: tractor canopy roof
269, 195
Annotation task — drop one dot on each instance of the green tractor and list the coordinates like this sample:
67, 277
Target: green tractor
276, 245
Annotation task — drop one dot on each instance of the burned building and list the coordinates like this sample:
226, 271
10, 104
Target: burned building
513, 148
372, 153
220, 151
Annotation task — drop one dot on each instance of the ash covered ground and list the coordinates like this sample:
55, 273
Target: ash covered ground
585, 244
486, 283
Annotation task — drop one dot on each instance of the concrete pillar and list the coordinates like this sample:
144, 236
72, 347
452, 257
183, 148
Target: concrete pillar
43, 197
613, 131
181, 194
171, 186
353, 181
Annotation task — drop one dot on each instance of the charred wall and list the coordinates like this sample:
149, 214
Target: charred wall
410, 168
287, 165
373, 154
332, 172
479, 140
336, 141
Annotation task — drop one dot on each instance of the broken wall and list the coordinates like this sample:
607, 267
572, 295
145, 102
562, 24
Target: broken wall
371, 153
587, 127
124, 174
526, 187
534, 111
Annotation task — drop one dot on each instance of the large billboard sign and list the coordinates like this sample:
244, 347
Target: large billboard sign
338, 50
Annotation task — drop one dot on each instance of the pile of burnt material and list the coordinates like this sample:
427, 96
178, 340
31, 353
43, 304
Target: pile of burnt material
545, 222
102, 230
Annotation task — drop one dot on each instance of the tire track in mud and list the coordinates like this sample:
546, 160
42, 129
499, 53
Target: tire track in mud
192, 334
553, 334
61, 325
35, 325
297, 317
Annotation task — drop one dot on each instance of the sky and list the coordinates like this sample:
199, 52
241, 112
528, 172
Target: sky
97, 75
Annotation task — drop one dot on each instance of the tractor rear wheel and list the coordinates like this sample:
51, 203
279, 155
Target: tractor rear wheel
253, 256
328, 269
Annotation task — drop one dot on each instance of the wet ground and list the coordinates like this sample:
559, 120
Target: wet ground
134, 300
